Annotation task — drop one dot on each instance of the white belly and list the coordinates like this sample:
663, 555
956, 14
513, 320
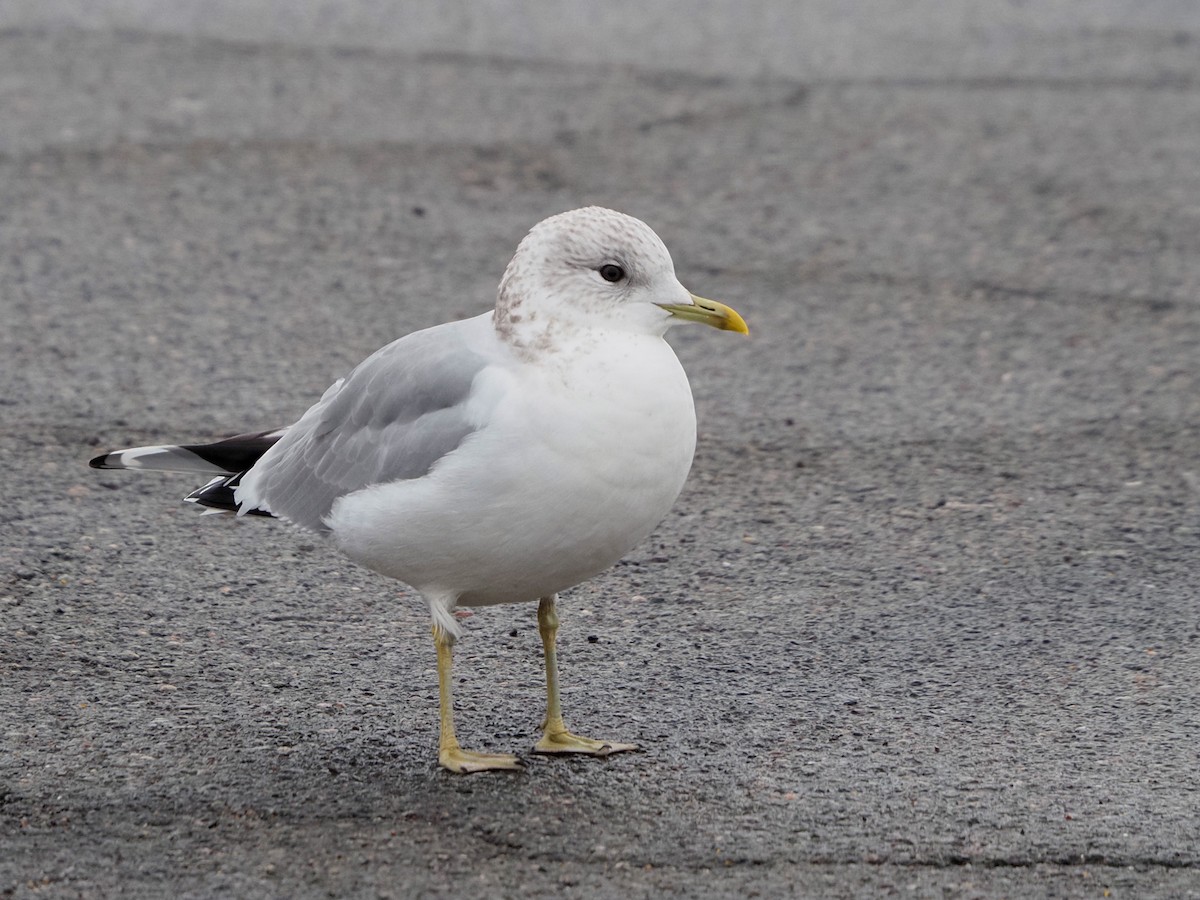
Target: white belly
560, 483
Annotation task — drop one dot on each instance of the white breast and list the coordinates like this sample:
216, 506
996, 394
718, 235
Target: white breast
574, 466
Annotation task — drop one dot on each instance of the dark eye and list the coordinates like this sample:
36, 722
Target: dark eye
610, 272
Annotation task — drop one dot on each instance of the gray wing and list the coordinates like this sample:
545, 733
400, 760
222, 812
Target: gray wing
392, 418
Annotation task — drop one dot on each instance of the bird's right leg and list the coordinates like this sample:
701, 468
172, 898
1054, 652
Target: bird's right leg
450, 754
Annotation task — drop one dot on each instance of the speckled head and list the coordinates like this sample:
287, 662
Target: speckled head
590, 267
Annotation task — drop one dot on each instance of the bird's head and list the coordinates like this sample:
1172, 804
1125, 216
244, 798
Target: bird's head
597, 268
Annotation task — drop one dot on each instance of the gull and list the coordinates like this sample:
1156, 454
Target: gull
498, 459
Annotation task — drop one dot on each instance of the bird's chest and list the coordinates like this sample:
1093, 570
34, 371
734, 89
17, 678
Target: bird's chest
581, 464
623, 421
583, 461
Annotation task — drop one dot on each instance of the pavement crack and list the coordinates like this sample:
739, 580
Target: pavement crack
1099, 860
791, 100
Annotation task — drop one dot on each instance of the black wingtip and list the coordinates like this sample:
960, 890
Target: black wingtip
98, 462
219, 494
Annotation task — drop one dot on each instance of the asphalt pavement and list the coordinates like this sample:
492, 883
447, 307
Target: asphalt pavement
924, 621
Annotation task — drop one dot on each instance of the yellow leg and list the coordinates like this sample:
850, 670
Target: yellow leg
450, 754
555, 737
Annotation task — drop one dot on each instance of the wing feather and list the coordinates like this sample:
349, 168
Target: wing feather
392, 418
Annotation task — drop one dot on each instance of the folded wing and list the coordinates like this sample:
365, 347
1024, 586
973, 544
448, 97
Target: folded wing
392, 418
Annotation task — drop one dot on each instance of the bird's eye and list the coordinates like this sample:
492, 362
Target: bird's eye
610, 272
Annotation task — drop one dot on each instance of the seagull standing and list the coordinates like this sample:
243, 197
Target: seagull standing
497, 459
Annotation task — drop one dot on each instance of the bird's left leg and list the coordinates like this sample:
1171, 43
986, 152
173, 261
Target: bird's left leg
555, 737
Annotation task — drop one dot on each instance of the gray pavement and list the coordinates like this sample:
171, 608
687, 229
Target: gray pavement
925, 620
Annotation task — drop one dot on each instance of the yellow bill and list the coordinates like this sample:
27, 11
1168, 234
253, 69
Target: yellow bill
710, 312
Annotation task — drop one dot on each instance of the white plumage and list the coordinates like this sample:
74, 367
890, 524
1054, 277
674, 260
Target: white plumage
499, 459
